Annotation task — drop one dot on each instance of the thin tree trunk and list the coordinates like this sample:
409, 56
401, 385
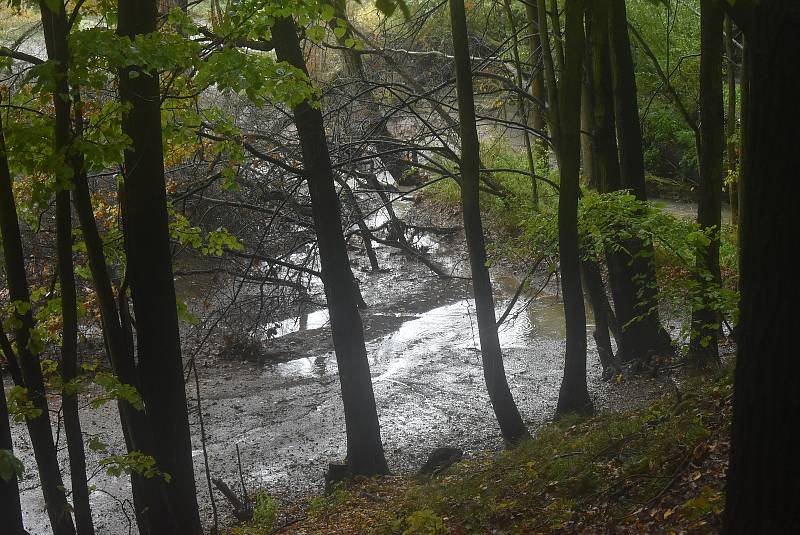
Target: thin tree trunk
364, 448
558, 45
44, 448
10, 507
522, 102
730, 123
587, 112
69, 367
149, 268
763, 485
645, 332
363, 228
505, 409
537, 91
705, 320
537, 120
573, 395
54, 24
596, 291
553, 113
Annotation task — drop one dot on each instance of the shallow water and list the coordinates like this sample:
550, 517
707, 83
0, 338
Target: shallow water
287, 418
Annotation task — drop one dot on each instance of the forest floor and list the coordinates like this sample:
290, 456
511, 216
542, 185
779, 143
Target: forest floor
659, 468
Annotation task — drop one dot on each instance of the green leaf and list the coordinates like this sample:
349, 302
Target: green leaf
10, 466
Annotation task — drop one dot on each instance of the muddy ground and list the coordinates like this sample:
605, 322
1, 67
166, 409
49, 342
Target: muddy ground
286, 417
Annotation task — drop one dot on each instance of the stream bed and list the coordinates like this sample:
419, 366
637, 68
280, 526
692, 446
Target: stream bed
286, 418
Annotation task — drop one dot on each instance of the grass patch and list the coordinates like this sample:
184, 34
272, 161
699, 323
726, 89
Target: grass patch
657, 469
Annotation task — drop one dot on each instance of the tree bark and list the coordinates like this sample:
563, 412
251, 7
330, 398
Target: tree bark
364, 448
573, 395
363, 228
149, 268
587, 105
505, 409
10, 507
44, 448
730, 122
645, 333
537, 119
553, 113
596, 291
522, 102
153, 511
763, 486
703, 344
54, 24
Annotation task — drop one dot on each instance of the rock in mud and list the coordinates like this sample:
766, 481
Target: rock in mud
439, 459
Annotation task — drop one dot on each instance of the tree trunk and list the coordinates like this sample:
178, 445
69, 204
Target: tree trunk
553, 113
558, 45
44, 448
153, 511
596, 291
55, 29
10, 508
705, 320
743, 130
363, 228
522, 102
763, 487
505, 409
607, 169
364, 448
644, 331
537, 120
730, 123
573, 395
587, 111
150, 271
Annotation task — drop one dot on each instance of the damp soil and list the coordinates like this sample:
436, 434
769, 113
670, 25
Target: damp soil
284, 414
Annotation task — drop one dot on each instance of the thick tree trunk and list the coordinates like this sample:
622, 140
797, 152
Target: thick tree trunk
705, 320
44, 448
364, 448
153, 511
730, 121
150, 272
505, 409
573, 395
763, 487
645, 333
10, 508
55, 29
